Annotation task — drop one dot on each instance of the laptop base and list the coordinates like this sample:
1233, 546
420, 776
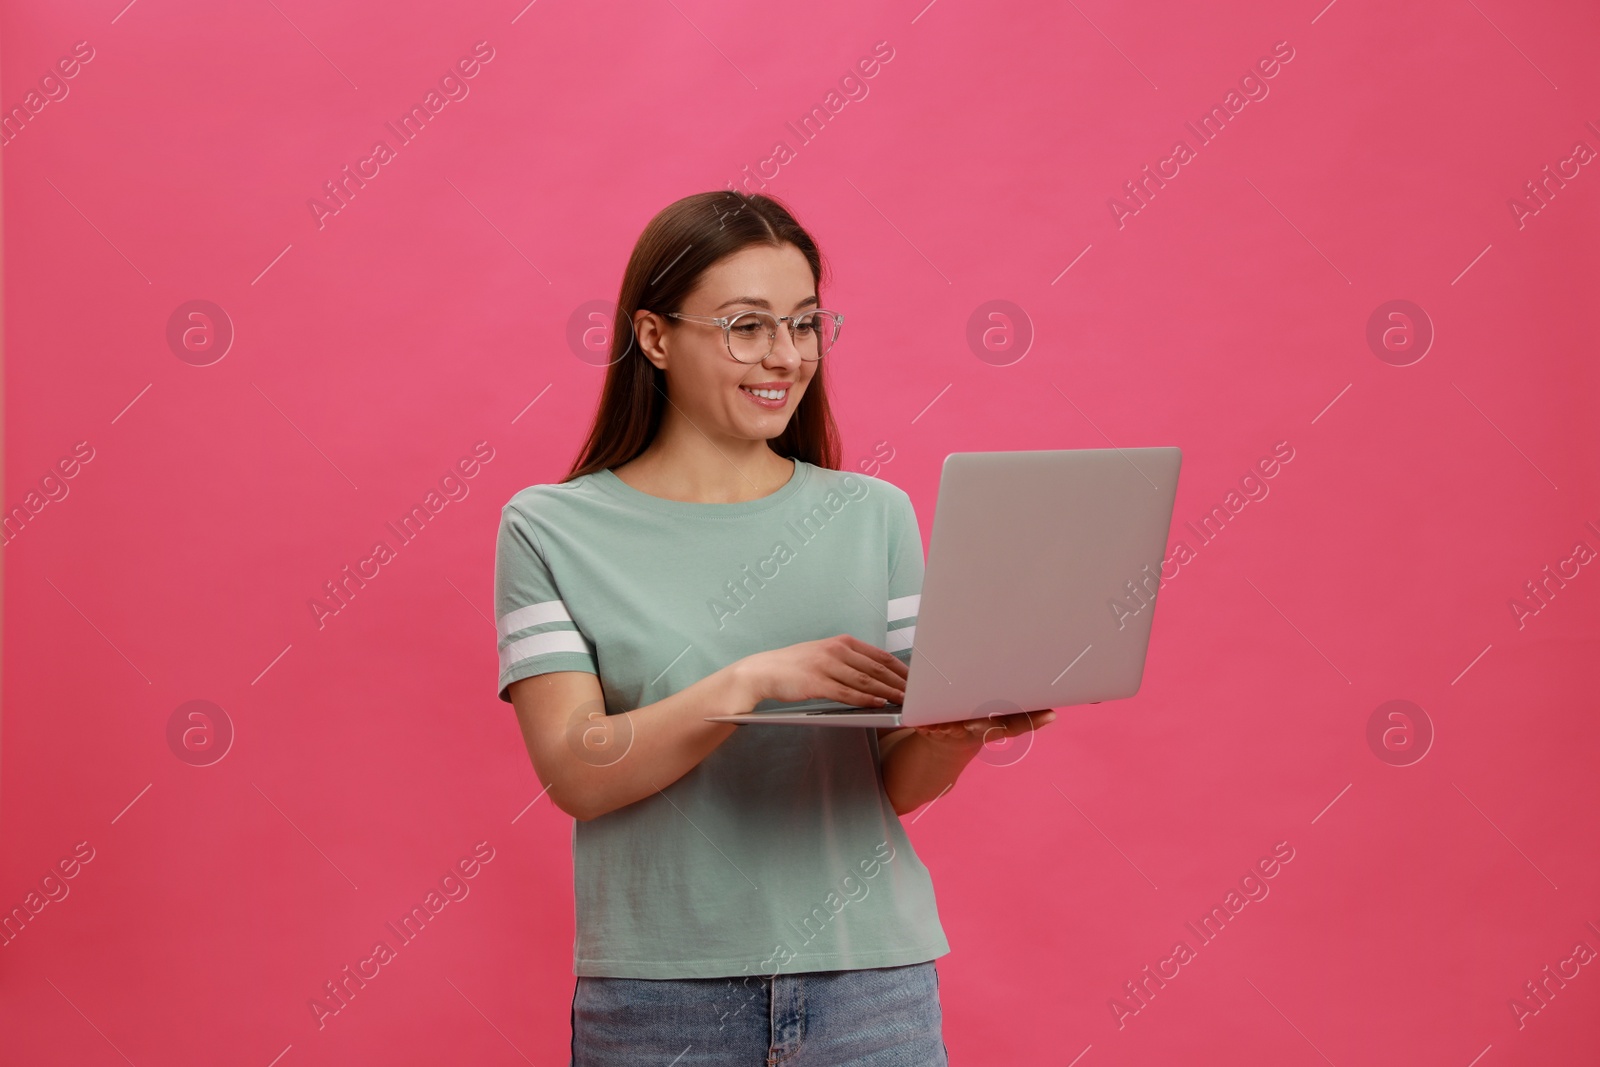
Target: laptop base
888, 715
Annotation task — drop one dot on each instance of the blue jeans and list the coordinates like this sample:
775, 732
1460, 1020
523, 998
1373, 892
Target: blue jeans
876, 1017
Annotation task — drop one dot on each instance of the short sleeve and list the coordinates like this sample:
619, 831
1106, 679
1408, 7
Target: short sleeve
905, 577
534, 630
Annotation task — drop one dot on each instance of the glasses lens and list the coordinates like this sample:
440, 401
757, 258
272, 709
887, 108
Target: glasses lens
814, 333
750, 336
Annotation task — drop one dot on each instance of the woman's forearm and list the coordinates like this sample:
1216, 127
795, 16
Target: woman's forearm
917, 770
620, 759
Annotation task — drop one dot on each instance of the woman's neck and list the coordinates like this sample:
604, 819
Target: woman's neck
706, 473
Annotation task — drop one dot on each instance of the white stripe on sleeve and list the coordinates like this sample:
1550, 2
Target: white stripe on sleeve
532, 615
543, 644
904, 607
901, 639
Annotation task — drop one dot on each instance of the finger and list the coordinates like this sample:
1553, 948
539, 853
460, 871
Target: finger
864, 685
876, 654
845, 695
1014, 724
992, 729
875, 669
871, 667
996, 723
852, 687
1030, 720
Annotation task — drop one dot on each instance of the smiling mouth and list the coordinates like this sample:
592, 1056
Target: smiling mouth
767, 398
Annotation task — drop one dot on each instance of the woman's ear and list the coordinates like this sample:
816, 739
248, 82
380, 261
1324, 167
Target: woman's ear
649, 335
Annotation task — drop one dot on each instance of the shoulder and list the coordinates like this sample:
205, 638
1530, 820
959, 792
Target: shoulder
856, 486
884, 506
544, 499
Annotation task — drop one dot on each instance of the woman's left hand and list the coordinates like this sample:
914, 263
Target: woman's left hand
973, 734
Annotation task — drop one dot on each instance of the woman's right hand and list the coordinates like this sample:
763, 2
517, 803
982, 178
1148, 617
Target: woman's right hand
841, 668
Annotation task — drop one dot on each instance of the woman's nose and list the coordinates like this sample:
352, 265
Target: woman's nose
783, 351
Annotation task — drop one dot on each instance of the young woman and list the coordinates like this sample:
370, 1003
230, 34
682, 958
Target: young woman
745, 894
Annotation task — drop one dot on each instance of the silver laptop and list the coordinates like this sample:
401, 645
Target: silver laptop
1039, 590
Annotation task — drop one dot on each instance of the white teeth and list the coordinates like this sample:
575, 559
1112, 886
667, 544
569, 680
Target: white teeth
766, 394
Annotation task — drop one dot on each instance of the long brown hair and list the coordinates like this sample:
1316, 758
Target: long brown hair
675, 249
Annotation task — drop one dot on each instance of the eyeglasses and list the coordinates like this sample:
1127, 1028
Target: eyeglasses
749, 335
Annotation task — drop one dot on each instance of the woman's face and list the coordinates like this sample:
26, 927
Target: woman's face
704, 382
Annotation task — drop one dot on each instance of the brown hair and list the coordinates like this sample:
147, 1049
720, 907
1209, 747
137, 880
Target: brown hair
675, 249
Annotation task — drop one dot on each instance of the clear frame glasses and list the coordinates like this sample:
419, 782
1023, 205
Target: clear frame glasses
750, 335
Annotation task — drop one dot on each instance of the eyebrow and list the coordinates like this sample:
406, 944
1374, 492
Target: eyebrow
761, 302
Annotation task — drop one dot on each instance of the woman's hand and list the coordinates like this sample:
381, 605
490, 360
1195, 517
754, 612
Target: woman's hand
970, 735
922, 766
841, 668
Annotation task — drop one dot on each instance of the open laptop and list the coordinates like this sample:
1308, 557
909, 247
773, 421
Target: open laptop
1039, 589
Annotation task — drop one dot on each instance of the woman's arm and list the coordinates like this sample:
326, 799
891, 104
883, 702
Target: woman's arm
593, 763
889, 736
920, 763
917, 769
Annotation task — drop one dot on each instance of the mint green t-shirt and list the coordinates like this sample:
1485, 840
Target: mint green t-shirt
779, 852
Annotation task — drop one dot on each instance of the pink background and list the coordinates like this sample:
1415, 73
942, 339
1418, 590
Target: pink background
370, 353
